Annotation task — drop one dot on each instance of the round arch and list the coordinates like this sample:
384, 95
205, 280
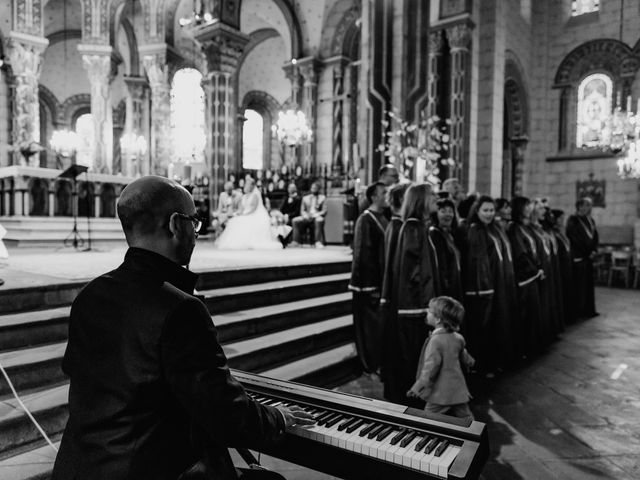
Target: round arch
339, 27
267, 106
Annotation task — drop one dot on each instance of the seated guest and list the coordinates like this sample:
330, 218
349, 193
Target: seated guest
312, 213
228, 206
282, 219
151, 395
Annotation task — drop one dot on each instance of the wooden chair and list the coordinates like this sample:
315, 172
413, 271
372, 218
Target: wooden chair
620, 262
602, 264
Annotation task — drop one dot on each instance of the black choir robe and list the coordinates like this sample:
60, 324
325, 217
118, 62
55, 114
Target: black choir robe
489, 286
548, 285
558, 291
415, 289
366, 285
566, 275
446, 263
527, 273
583, 236
391, 367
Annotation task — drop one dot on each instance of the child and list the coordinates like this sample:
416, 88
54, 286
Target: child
440, 381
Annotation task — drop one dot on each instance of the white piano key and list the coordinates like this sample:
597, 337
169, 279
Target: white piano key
356, 440
368, 442
426, 462
405, 453
385, 446
448, 457
435, 463
416, 459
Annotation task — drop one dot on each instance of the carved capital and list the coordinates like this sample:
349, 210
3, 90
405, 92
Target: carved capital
309, 68
221, 45
136, 86
436, 42
157, 70
98, 68
459, 37
25, 54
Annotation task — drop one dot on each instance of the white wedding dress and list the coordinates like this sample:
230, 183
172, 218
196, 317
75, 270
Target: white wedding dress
251, 231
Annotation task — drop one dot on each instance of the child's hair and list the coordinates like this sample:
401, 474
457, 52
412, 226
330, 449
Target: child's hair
449, 311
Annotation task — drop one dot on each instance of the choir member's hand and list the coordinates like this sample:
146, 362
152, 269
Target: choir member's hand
542, 275
412, 394
296, 417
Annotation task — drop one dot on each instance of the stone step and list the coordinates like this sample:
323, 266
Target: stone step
269, 351
34, 464
223, 300
19, 330
258, 321
39, 297
327, 369
48, 406
33, 367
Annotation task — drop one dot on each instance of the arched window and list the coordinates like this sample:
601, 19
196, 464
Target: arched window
580, 7
595, 93
84, 129
253, 141
187, 116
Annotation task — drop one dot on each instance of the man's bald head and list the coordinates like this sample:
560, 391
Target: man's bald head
146, 203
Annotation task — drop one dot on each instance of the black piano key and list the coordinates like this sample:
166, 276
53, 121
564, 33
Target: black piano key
333, 421
346, 423
366, 430
384, 433
322, 416
398, 436
420, 445
408, 439
354, 426
441, 448
327, 419
431, 445
376, 430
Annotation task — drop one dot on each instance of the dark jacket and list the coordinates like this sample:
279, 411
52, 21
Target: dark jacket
368, 253
291, 206
150, 391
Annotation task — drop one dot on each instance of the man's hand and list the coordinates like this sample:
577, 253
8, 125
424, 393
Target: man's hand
296, 417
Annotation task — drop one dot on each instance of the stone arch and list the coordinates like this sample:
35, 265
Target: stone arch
267, 106
342, 18
63, 198
38, 197
48, 98
107, 201
73, 107
257, 37
63, 36
516, 98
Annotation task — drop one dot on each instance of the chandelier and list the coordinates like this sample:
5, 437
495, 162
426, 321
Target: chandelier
65, 142
292, 128
622, 133
133, 145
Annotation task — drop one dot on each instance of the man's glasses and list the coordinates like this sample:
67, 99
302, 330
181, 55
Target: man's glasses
197, 223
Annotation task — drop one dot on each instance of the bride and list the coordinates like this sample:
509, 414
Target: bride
250, 228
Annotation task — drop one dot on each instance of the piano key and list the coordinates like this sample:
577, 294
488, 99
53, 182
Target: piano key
416, 459
449, 457
368, 446
320, 417
399, 436
365, 431
433, 443
325, 419
420, 445
334, 421
346, 423
403, 455
437, 462
441, 448
409, 438
385, 445
356, 437
426, 463
354, 426
374, 433
384, 433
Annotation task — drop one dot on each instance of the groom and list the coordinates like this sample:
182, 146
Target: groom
312, 213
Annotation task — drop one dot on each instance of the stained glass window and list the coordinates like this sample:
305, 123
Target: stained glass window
252, 140
188, 138
580, 7
84, 129
595, 95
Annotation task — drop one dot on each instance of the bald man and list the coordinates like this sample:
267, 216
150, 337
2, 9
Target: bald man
151, 395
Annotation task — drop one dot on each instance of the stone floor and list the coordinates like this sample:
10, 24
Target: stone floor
572, 413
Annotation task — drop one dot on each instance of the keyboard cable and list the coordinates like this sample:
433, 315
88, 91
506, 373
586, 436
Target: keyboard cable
26, 410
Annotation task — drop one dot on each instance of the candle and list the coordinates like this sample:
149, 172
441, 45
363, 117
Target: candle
618, 98
629, 103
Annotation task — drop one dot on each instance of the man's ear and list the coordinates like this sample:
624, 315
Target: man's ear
173, 224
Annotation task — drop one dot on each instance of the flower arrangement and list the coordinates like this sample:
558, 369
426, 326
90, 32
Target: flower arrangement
420, 149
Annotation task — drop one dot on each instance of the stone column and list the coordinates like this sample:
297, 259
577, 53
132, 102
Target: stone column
309, 67
154, 60
97, 62
436, 42
459, 39
222, 47
25, 57
340, 116
518, 147
136, 106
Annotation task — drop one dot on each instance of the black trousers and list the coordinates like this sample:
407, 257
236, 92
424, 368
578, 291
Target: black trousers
367, 323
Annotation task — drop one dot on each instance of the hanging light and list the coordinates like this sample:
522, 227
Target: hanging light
132, 145
292, 128
629, 165
65, 142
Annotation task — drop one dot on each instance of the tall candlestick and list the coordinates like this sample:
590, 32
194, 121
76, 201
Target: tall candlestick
618, 98
629, 103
